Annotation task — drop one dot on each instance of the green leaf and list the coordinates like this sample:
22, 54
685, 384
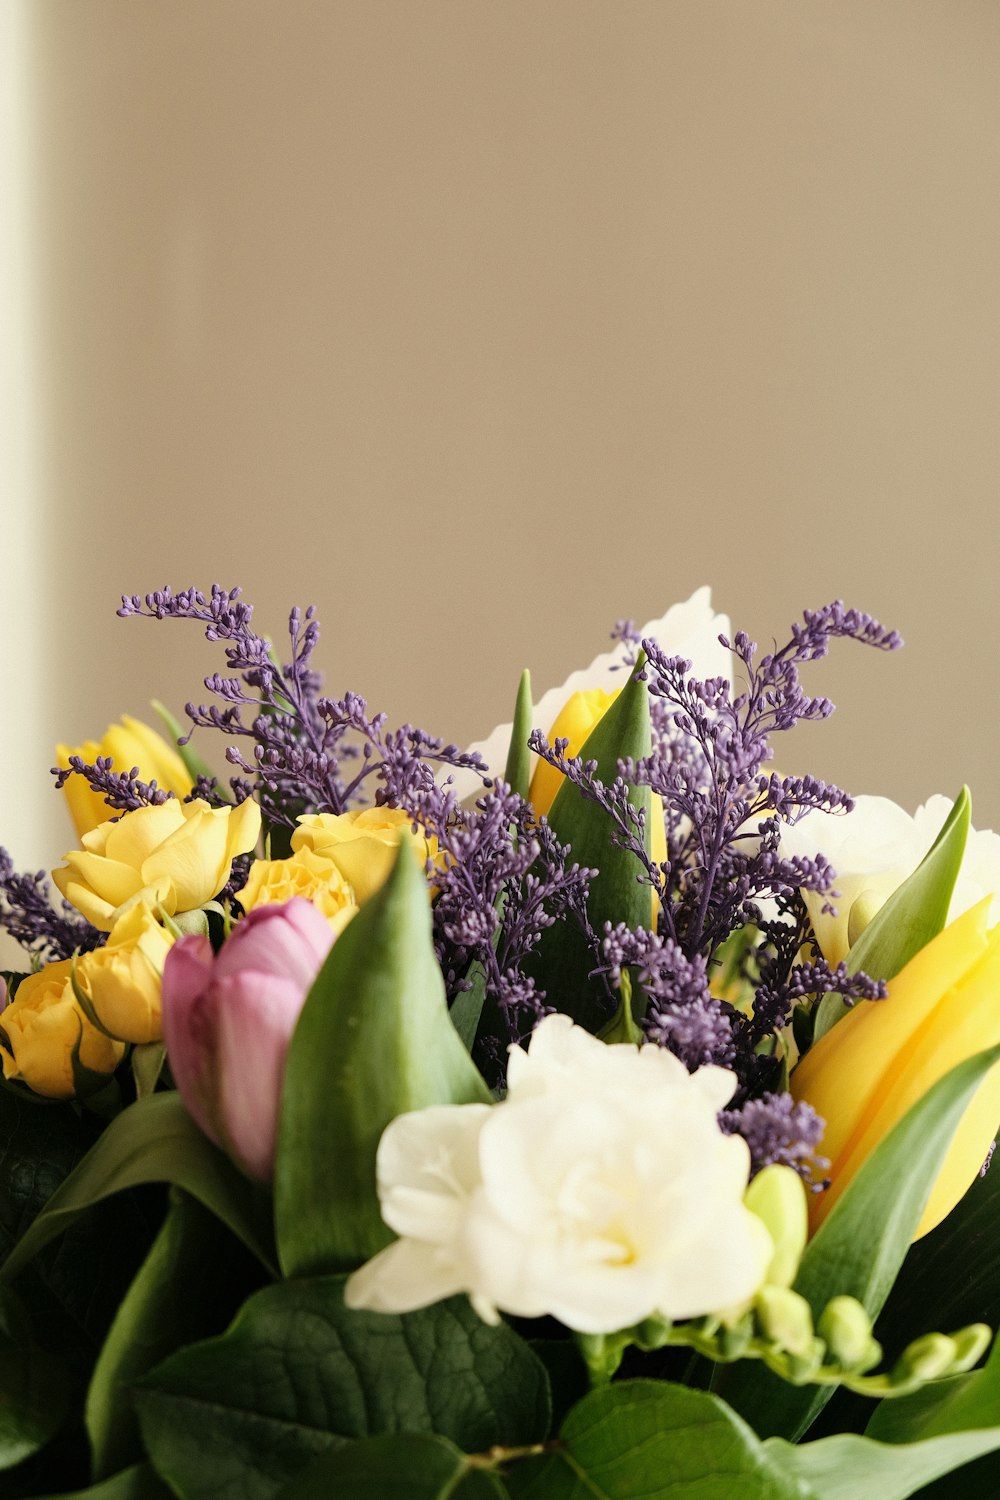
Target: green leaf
191, 1283
36, 1389
564, 960
73, 1289
408, 1466
858, 1249
136, 1483
849, 1467
195, 764
951, 1276
298, 1373
374, 1040
467, 1006
154, 1140
655, 1440
914, 914
517, 772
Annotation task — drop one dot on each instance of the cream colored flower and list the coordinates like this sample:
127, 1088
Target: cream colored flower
601, 1191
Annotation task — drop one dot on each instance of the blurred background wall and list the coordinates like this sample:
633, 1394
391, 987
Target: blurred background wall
482, 323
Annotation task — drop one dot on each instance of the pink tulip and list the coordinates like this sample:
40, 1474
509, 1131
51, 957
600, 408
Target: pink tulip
228, 1019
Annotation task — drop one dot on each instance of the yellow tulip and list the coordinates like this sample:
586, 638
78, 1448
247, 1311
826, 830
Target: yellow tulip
884, 1055
130, 743
272, 882
122, 979
361, 844
176, 855
42, 1026
579, 715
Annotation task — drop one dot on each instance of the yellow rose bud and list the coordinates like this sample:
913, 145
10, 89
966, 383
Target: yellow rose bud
176, 855
42, 1026
272, 882
129, 744
122, 979
884, 1055
361, 844
579, 715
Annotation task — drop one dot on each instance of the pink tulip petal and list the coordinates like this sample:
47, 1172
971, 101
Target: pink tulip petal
189, 1026
255, 1020
289, 941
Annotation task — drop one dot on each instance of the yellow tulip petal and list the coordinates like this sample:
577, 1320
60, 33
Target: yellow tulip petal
574, 722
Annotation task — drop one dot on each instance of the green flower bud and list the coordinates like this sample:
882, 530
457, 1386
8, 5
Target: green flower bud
847, 1329
785, 1319
971, 1344
927, 1358
778, 1197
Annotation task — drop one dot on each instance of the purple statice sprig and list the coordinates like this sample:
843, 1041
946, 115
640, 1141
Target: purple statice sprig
681, 1012
123, 791
46, 932
501, 878
310, 753
779, 1131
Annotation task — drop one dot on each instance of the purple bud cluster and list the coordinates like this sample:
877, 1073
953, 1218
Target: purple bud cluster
27, 913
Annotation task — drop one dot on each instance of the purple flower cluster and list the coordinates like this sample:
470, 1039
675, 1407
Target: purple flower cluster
27, 913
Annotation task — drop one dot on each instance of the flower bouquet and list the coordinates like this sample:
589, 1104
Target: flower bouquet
593, 1112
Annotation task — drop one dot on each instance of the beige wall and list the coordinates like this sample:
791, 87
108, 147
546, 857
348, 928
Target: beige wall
483, 323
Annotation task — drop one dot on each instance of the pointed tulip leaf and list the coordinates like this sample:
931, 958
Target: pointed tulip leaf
951, 1276
154, 1140
297, 1374
374, 1040
617, 893
517, 772
136, 1483
849, 1467
912, 916
858, 1249
189, 1286
657, 1440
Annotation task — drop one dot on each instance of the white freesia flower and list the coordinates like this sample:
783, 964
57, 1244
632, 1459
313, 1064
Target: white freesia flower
691, 629
873, 849
601, 1191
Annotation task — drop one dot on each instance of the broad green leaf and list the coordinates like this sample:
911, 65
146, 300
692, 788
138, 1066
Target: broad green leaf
191, 1283
374, 1040
849, 1467
154, 1140
297, 1373
137, 1483
564, 960
657, 1441
858, 1249
517, 772
36, 1389
72, 1290
912, 916
407, 1466
194, 763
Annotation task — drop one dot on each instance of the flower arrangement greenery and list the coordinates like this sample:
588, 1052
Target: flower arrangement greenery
592, 1112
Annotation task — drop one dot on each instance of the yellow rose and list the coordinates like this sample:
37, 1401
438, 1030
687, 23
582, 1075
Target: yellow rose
43, 1025
579, 715
122, 979
884, 1055
176, 855
361, 844
272, 882
130, 743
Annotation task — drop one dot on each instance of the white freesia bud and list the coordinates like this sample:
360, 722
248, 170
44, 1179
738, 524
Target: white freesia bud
873, 849
601, 1191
